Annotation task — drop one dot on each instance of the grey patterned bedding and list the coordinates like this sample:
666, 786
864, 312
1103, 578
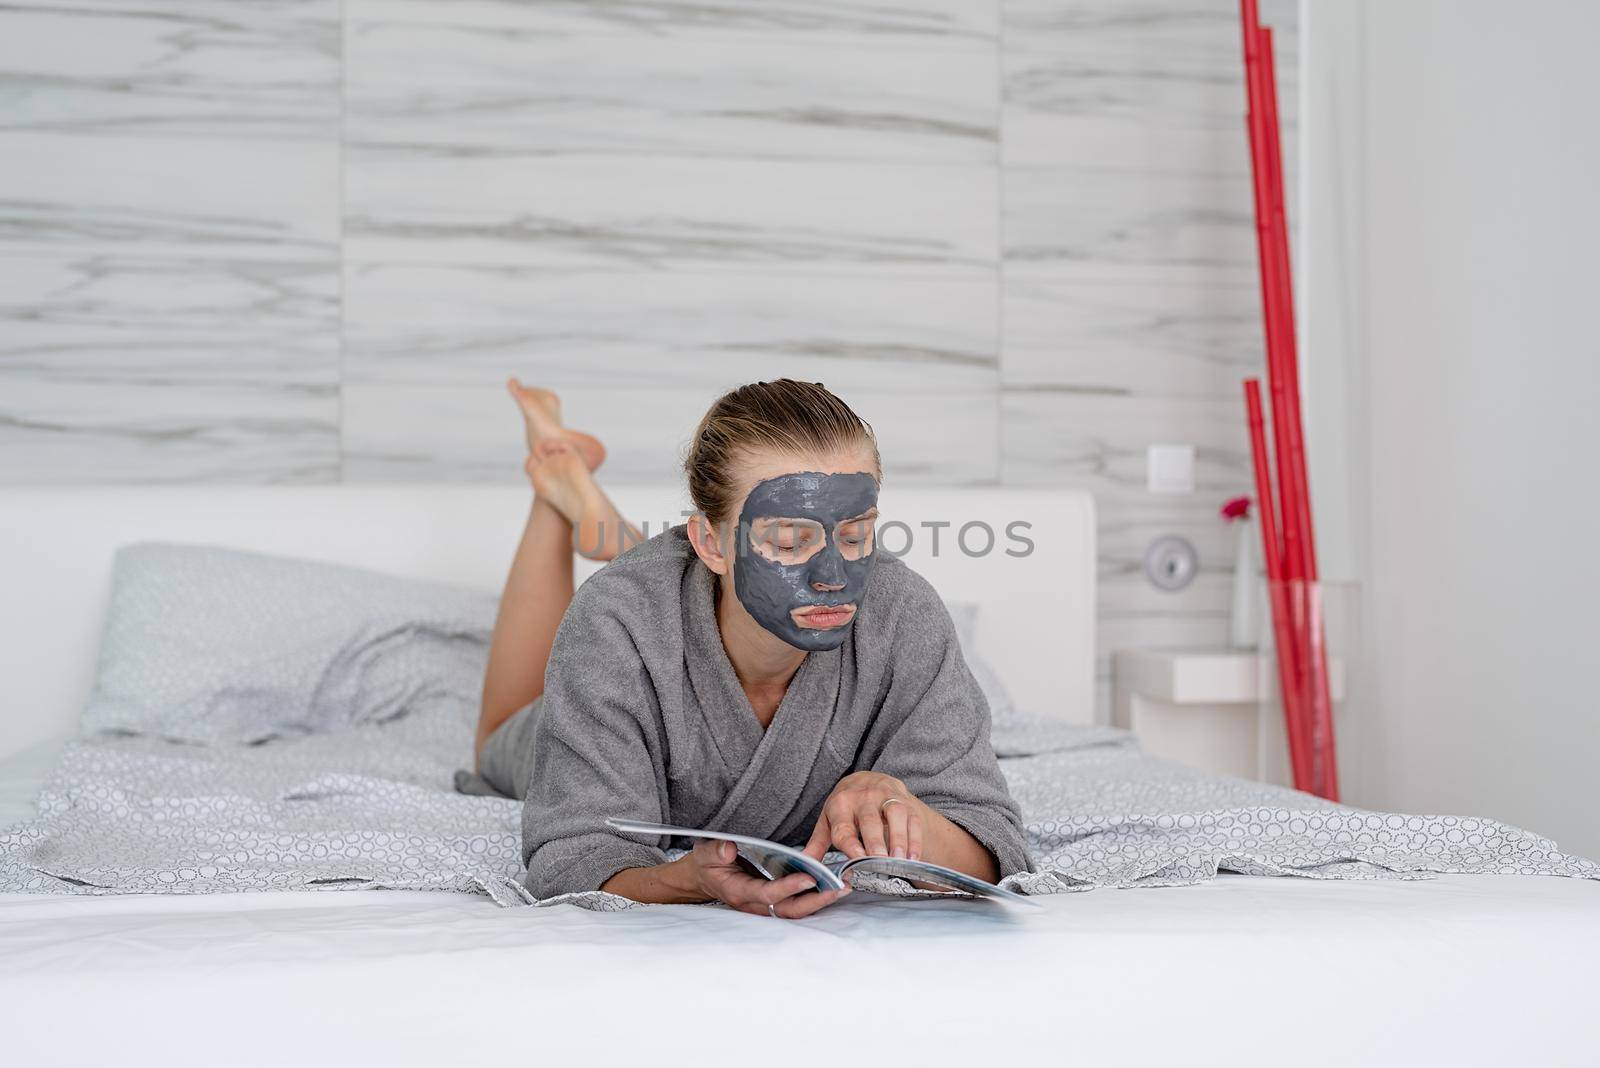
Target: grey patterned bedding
336, 773
372, 806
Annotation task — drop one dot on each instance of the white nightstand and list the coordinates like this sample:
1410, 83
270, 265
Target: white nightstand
1213, 709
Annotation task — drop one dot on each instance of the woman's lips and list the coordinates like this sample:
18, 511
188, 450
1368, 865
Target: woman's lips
823, 616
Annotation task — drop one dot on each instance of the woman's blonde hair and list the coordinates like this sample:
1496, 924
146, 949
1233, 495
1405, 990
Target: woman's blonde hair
798, 418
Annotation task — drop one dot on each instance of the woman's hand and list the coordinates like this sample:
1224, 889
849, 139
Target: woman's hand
715, 867
870, 814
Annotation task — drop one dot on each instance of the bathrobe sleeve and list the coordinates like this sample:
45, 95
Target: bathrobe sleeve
597, 748
938, 743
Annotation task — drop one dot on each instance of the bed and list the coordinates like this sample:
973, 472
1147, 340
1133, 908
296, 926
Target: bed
1453, 969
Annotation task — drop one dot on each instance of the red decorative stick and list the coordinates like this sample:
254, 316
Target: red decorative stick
1267, 246
1296, 599
1294, 723
1292, 473
1311, 655
1285, 537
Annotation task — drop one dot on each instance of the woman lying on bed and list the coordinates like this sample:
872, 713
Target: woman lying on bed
759, 670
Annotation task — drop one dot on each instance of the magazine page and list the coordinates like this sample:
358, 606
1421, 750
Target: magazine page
775, 861
921, 871
771, 859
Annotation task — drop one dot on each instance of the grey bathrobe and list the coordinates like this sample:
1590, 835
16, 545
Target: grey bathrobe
642, 717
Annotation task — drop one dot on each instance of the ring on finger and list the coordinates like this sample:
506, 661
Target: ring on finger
890, 801
772, 910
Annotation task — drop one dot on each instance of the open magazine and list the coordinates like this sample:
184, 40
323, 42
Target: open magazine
775, 861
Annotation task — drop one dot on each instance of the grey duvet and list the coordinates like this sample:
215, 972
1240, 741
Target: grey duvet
372, 806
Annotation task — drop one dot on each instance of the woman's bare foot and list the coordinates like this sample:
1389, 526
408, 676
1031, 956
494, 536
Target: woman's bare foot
541, 411
561, 477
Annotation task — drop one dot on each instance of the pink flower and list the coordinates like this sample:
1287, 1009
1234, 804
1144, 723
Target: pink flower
1238, 508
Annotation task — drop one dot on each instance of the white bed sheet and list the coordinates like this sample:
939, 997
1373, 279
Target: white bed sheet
1459, 969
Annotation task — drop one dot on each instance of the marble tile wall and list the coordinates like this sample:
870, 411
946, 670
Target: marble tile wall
305, 240
643, 205
169, 241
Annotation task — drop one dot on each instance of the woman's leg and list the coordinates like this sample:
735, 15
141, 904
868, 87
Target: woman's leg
539, 587
536, 596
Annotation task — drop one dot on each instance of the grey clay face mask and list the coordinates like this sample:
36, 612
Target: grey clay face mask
770, 589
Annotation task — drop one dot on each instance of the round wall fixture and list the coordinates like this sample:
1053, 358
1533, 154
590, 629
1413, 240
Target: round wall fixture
1171, 562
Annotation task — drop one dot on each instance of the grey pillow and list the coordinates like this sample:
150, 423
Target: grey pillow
205, 644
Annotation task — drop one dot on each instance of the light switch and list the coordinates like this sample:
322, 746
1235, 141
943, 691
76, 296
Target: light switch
1170, 468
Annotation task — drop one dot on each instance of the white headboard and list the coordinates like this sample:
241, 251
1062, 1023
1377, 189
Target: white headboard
1037, 603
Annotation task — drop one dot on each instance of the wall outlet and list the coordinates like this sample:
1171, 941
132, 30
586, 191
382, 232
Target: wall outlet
1170, 468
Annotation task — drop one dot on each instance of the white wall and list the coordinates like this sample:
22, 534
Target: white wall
1455, 379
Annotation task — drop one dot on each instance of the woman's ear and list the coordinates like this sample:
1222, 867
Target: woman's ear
707, 542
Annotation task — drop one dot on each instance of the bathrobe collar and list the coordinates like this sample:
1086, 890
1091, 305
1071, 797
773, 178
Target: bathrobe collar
778, 758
